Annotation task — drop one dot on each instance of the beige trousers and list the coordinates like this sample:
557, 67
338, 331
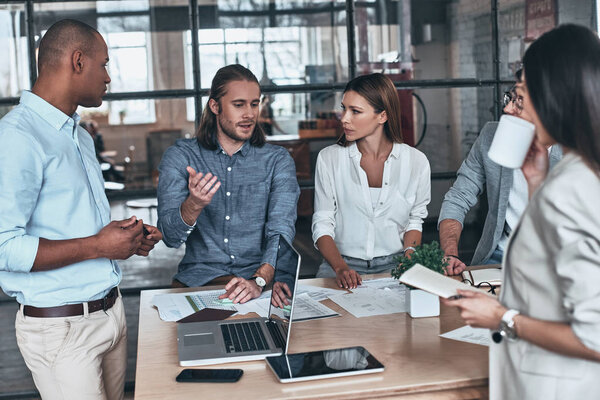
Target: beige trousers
82, 357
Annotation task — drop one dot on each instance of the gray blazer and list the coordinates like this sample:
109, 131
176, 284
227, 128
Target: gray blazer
475, 174
551, 273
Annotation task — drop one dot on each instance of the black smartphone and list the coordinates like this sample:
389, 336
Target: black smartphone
210, 375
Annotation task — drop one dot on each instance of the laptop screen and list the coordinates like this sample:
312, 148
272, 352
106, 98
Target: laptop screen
287, 269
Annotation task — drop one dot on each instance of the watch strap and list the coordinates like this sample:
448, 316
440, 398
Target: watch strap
508, 317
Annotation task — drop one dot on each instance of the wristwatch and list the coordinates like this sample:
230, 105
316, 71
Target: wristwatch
408, 248
507, 327
260, 281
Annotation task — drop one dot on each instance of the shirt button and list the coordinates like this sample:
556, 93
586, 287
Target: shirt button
232, 256
226, 240
228, 168
227, 217
228, 193
381, 202
386, 183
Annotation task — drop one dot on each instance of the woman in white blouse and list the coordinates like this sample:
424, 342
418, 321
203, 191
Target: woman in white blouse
371, 190
547, 320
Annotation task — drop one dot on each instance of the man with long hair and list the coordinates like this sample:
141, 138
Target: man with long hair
227, 194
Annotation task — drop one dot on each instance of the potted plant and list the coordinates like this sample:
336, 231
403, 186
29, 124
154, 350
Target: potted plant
421, 303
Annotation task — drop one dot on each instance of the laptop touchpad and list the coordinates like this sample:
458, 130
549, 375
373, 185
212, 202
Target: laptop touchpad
198, 339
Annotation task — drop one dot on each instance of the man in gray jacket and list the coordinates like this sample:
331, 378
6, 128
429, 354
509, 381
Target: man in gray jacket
506, 194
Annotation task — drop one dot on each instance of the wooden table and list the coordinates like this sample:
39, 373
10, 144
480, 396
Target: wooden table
418, 363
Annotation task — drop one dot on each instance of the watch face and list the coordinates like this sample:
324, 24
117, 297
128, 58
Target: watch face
260, 281
509, 331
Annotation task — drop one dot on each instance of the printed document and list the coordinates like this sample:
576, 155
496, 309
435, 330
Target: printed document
306, 308
368, 302
468, 334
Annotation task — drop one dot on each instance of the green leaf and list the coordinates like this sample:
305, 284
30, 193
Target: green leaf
428, 255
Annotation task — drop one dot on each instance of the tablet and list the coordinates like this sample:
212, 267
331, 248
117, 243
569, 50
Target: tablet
324, 364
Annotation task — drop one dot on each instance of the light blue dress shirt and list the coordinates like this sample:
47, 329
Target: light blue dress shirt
51, 187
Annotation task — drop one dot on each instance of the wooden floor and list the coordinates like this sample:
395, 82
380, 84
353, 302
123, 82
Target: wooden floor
154, 271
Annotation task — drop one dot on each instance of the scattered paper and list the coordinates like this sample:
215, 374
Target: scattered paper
259, 306
174, 306
368, 302
306, 308
468, 334
317, 293
382, 284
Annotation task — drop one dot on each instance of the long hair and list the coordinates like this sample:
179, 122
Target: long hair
562, 74
380, 93
207, 131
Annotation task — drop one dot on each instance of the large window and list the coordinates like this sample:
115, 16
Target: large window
450, 61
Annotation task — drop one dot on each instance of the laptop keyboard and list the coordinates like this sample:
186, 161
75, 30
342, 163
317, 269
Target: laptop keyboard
276, 334
243, 336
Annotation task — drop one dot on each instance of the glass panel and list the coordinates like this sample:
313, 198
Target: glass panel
451, 119
434, 39
517, 27
291, 4
308, 45
133, 151
145, 38
511, 36
14, 63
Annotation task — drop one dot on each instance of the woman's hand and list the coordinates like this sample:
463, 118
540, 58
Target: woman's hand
536, 165
477, 309
347, 278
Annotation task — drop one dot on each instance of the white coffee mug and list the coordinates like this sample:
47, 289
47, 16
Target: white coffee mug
512, 141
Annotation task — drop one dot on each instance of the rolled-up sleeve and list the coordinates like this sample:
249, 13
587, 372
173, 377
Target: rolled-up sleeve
423, 196
283, 204
21, 176
323, 222
469, 184
172, 191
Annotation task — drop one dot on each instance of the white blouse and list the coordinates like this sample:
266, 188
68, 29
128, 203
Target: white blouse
343, 208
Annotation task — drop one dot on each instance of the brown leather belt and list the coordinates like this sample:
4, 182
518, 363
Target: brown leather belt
70, 310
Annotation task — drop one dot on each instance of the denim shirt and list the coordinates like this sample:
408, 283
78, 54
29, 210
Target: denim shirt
238, 231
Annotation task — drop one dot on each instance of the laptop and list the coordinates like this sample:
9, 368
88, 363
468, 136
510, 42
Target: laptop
246, 339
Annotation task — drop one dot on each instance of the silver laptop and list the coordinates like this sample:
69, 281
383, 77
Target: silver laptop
216, 342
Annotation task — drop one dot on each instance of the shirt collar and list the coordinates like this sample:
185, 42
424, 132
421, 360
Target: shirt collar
396, 150
56, 118
354, 152
242, 150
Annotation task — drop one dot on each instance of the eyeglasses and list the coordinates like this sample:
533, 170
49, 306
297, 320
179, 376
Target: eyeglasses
512, 97
482, 285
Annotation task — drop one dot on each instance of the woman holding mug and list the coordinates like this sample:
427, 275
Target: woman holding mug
547, 322
371, 190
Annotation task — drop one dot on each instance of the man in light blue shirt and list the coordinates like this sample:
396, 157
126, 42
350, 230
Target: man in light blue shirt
57, 243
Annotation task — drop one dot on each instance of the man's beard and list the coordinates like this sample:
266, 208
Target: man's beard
229, 129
